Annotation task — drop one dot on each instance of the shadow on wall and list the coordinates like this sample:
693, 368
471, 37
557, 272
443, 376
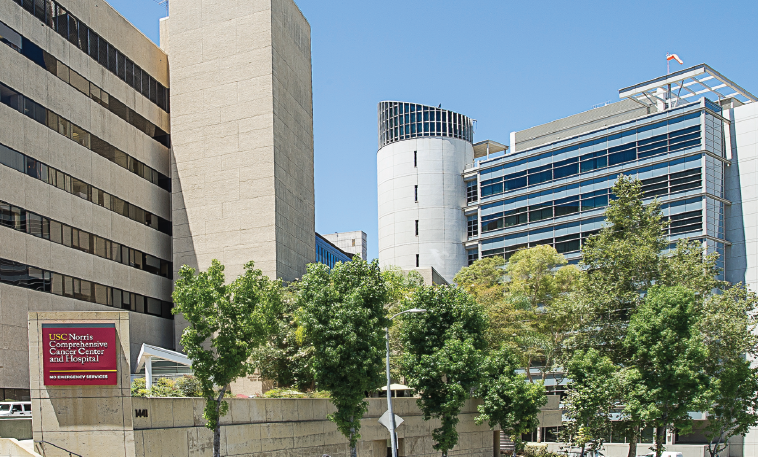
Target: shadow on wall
736, 254
182, 242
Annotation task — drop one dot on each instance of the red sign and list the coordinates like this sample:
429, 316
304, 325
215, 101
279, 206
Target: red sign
79, 354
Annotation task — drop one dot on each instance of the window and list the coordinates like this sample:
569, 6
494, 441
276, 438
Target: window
472, 255
417, 261
415, 159
473, 225
416, 227
415, 193
472, 194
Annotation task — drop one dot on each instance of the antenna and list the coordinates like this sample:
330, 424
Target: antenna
163, 2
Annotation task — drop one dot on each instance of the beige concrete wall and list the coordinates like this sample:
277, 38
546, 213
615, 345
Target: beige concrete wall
242, 124
292, 427
88, 420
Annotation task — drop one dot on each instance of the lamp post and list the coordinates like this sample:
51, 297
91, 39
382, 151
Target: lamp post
393, 435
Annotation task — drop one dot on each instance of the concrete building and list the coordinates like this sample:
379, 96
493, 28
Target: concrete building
106, 195
328, 253
422, 152
350, 242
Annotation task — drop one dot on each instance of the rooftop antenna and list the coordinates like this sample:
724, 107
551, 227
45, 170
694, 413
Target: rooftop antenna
164, 3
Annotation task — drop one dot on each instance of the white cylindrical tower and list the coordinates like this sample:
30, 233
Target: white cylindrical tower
423, 151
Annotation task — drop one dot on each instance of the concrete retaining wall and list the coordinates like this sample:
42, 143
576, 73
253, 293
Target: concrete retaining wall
174, 427
20, 429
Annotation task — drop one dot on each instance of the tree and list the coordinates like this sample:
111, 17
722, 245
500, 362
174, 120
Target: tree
727, 324
226, 322
666, 361
442, 350
507, 399
594, 392
483, 280
621, 262
287, 358
342, 313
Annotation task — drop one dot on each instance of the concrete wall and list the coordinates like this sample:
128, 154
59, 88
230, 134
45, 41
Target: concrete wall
243, 135
351, 242
18, 428
741, 188
37, 141
292, 427
439, 209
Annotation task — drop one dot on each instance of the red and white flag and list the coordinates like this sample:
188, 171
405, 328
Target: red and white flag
674, 57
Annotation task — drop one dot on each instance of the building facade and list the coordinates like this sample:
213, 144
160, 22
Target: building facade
106, 195
554, 185
328, 253
422, 151
354, 243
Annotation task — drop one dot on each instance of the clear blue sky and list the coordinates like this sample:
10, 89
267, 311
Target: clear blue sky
510, 65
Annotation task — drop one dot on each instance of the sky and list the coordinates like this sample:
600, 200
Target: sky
510, 65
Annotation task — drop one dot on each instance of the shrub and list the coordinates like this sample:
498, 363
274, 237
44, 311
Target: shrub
535, 450
284, 393
138, 388
189, 386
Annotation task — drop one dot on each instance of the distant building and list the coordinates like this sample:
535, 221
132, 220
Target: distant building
329, 254
350, 242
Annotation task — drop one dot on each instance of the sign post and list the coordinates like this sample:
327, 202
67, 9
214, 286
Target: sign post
79, 355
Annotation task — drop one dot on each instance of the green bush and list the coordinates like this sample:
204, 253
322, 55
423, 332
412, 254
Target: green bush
138, 388
284, 393
189, 386
535, 450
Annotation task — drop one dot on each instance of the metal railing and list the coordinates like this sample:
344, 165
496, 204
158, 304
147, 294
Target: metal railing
70, 453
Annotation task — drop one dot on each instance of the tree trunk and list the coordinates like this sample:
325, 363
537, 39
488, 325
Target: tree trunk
582, 452
633, 441
217, 430
660, 437
353, 450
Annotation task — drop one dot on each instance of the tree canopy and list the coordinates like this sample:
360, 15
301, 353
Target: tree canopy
226, 323
342, 313
441, 350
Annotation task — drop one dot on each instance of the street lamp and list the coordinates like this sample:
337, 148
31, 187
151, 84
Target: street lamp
393, 435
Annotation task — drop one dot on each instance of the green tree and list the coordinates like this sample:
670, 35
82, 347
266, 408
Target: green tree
483, 280
594, 392
621, 262
226, 322
287, 358
666, 361
343, 315
727, 326
400, 285
507, 399
442, 350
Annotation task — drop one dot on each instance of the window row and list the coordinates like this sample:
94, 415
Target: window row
80, 83
663, 185
670, 142
57, 232
547, 210
630, 135
92, 44
44, 116
691, 221
562, 244
29, 277
68, 183
402, 121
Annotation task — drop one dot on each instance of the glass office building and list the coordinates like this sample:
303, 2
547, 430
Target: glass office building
554, 185
329, 254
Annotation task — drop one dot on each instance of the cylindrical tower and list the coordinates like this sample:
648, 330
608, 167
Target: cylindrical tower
423, 151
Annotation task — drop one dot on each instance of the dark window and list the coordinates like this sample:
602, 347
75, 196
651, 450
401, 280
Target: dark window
473, 226
416, 227
471, 192
473, 256
415, 158
418, 262
415, 193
